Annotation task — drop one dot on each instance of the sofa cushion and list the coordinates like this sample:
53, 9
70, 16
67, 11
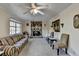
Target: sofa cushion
14, 39
19, 43
1, 43
9, 50
18, 38
4, 42
9, 40
21, 36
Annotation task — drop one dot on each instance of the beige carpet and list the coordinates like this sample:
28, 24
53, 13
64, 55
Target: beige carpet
39, 47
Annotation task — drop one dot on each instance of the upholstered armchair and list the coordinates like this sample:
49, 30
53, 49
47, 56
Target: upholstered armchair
62, 43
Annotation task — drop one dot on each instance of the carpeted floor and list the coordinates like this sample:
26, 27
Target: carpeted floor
39, 47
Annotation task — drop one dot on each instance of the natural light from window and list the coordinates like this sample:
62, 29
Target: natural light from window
15, 27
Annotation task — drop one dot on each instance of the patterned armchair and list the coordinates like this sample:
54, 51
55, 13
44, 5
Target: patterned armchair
62, 43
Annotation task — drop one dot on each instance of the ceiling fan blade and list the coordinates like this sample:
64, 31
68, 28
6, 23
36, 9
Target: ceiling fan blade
33, 5
26, 12
42, 7
35, 11
40, 12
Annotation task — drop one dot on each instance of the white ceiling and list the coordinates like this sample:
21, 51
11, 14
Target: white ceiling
17, 10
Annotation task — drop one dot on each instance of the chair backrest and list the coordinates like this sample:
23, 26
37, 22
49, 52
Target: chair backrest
64, 39
52, 34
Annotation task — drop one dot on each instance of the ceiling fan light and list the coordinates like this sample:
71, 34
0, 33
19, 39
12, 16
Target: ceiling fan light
34, 11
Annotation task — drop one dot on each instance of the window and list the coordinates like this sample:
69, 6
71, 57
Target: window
18, 28
15, 27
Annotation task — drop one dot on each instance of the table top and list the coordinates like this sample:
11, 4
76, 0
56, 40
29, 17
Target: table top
50, 38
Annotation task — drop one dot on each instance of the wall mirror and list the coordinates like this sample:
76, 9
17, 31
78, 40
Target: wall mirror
76, 21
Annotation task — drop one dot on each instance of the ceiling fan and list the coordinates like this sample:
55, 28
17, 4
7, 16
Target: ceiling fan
34, 9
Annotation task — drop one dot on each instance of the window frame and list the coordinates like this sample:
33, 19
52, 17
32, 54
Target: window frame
16, 22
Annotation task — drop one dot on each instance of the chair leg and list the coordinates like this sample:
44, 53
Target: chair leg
53, 47
58, 51
66, 50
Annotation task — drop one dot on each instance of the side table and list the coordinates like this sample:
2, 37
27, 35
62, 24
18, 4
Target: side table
52, 40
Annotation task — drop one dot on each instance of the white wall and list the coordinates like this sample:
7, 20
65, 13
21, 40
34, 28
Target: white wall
27, 28
67, 18
4, 22
45, 28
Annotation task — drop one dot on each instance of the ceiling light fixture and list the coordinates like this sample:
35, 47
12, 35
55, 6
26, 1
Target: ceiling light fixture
34, 9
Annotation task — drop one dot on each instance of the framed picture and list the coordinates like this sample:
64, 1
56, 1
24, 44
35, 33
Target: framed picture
56, 25
76, 21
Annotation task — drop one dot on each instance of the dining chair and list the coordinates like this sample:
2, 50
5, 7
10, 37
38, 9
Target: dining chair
62, 43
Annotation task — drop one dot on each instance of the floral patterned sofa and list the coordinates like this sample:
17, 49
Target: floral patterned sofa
13, 45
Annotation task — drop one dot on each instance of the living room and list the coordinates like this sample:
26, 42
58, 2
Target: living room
26, 30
